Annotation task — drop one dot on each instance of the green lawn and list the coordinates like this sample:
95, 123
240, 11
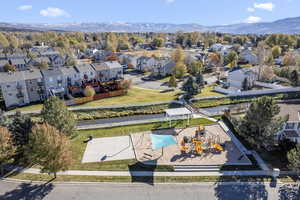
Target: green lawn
78, 145
208, 92
158, 179
134, 96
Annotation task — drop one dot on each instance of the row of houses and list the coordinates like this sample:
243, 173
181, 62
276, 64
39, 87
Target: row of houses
34, 85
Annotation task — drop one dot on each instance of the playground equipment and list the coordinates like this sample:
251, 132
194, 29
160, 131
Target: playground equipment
200, 142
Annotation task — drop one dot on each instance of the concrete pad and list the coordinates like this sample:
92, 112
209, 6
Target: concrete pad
108, 149
171, 155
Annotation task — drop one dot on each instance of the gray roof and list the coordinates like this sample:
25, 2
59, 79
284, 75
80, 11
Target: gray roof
8, 77
292, 110
32, 74
113, 64
68, 70
51, 72
84, 68
100, 66
18, 61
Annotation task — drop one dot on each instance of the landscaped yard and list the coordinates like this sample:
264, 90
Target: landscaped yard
208, 92
78, 145
134, 96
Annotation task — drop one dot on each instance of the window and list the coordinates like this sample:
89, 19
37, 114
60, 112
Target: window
289, 125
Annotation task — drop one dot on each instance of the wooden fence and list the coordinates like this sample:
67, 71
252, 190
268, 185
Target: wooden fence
100, 96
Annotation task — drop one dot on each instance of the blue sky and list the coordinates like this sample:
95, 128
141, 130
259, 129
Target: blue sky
205, 12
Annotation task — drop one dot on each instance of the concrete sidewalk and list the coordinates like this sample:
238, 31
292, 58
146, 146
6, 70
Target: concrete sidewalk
150, 173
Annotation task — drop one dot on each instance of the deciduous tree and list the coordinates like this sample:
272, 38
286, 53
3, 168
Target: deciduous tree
293, 157
7, 149
172, 81
49, 148
89, 91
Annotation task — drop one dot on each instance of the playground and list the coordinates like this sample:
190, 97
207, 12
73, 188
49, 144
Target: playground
208, 145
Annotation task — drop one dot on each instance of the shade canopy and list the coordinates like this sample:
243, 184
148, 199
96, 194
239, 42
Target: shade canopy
160, 141
178, 112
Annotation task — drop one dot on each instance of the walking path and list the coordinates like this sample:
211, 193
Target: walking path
125, 121
150, 173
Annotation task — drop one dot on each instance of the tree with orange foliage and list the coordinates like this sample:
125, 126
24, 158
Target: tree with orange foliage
49, 148
7, 149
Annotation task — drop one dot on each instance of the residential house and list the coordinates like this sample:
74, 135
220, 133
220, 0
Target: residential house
146, 64
248, 57
19, 63
86, 72
13, 88
54, 82
57, 61
236, 77
38, 61
34, 85
107, 71
164, 68
128, 61
71, 76
290, 129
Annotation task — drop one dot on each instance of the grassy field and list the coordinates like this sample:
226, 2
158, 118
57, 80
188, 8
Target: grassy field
134, 96
78, 145
208, 92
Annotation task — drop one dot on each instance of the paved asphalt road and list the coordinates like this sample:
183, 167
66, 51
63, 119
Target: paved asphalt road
120, 119
111, 191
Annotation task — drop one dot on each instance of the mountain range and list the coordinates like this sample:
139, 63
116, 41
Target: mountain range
288, 26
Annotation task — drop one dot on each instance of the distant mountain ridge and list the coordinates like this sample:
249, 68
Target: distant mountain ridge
288, 25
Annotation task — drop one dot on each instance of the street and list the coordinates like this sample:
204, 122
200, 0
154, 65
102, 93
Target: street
124, 191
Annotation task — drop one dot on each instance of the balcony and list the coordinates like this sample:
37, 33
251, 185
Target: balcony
20, 95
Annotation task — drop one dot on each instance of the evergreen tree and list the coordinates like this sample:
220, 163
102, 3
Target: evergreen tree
20, 128
49, 148
56, 113
294, 77
200, 80
259, 124
245, 85
190, 87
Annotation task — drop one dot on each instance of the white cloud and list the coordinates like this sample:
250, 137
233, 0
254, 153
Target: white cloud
54, 12
170, 1
264, 6
250, 9
25, 7
253, 19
